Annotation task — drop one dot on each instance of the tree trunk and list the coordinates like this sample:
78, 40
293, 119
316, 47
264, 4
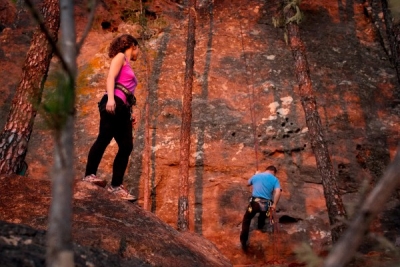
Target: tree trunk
183, 202
59, 235
333, 199
18, 128
393, 35
146, 152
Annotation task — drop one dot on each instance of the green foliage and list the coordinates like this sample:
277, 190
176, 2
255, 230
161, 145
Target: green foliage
58, 103
298, 17
279, 20
305, 254
83, 74
158, 23
133, 11
394, 7
386, 244
132, 15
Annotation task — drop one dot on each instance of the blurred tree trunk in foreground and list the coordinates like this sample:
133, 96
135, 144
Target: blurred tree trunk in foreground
60, 112
345, 249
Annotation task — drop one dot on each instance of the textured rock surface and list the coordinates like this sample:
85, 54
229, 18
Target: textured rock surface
128, 235
244, 77
22, 245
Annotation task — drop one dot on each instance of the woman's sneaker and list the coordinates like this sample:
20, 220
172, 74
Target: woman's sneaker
94, 180
121, 192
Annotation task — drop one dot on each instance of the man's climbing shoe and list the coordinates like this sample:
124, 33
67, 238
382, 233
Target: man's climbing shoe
121, 192
94, 180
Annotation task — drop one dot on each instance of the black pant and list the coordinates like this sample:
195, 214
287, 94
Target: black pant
248, 216
119, 127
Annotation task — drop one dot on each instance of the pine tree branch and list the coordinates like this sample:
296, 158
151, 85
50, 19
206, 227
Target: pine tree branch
93, 5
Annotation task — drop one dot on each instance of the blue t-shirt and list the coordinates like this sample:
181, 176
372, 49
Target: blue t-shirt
264, 185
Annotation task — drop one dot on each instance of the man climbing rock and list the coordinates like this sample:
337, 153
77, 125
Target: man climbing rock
265, 196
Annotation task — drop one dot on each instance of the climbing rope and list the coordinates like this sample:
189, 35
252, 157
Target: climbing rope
275, 238
251, 93
252, 97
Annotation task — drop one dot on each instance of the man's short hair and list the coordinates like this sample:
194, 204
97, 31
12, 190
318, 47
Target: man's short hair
272, 168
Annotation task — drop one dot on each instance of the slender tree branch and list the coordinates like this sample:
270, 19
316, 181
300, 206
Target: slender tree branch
347, 245
93, 5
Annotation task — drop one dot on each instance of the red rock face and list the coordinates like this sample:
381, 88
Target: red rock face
244, 81
7, 12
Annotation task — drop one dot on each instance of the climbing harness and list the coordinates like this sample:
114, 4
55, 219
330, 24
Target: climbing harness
263, 203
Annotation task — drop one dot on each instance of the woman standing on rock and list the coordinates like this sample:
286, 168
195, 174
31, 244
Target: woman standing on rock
115, 116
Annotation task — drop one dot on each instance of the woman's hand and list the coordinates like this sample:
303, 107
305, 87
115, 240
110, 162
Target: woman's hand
110, 107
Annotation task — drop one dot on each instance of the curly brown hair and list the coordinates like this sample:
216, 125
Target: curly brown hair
121, 44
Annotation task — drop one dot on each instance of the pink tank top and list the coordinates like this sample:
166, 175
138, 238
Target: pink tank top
127, 78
